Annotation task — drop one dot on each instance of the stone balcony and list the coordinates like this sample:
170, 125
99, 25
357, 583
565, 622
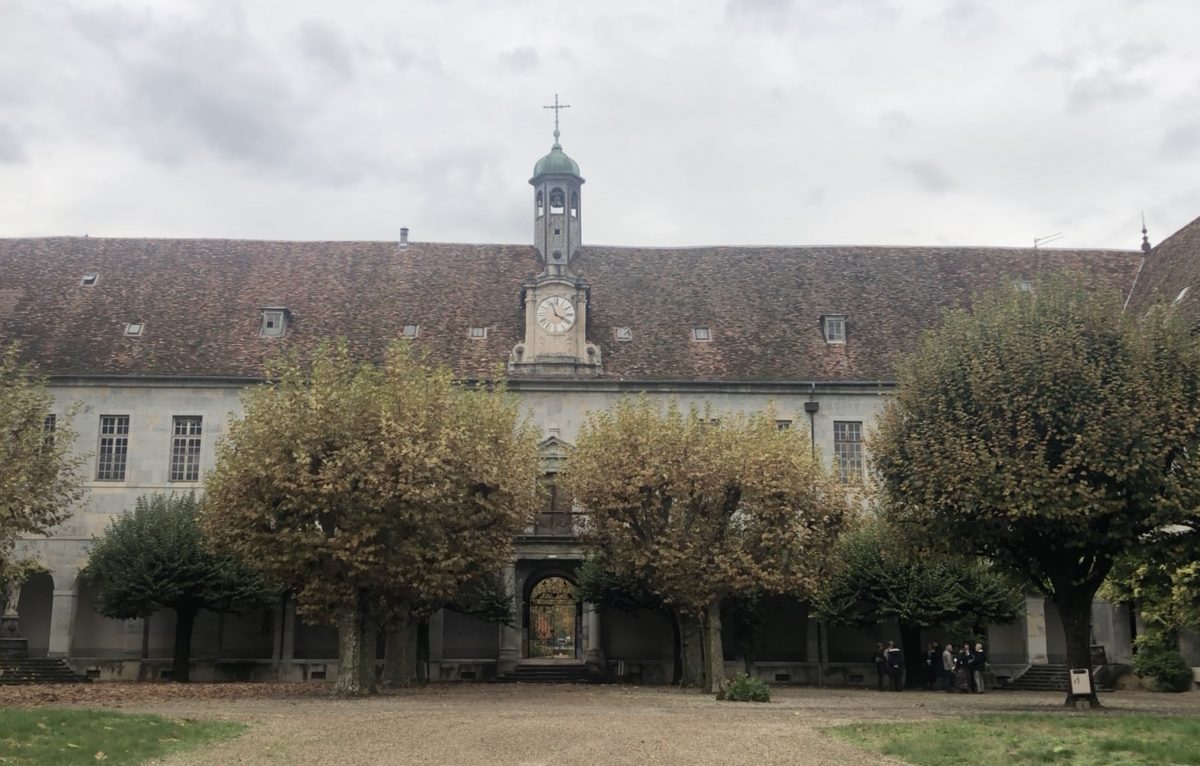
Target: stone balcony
563, 524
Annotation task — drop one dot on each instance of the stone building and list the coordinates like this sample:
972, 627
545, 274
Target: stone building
156, 339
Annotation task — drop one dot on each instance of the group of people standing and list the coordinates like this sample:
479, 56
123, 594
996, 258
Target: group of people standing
956, 672
951, 671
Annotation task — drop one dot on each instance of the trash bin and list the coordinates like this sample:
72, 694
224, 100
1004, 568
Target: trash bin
1081, 682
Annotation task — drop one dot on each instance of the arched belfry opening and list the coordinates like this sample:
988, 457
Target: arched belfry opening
553, 619
574, 204
541, 204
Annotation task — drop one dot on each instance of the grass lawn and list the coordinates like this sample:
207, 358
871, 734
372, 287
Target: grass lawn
1015, 740
60, 737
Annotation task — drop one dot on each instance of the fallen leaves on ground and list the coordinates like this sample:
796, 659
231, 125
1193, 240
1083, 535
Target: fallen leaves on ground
117, 694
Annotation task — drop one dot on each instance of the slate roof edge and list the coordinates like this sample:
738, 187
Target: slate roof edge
516, 384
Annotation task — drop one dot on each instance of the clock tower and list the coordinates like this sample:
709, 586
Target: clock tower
555, 301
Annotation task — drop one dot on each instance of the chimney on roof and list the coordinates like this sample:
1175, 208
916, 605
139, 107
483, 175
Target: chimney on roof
403, 236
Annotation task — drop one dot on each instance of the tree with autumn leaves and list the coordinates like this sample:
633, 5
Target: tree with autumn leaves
39, 476
698, 511
372, 492
1050, 432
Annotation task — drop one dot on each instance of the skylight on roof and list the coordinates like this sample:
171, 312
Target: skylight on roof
411, 330
274, 322
89, 280
134, 329
701, 334
478, 333
623, 333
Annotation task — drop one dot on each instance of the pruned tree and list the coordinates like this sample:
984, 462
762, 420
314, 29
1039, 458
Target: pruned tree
1047, 431
39, 476
155, 557
874, 576
372, 491
699, 511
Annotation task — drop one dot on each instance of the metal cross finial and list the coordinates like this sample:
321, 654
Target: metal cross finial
556, 106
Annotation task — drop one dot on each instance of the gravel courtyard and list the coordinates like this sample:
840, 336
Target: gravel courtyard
528, 725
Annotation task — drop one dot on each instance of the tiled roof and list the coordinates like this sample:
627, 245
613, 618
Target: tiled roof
200, 301
1170, 267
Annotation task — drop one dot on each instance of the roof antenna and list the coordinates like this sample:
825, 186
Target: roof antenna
1145, 239
1039, 241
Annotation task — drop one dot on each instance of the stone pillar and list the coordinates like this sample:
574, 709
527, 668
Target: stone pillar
1036, 652
594, 651
62, 617
510, 636
134, 632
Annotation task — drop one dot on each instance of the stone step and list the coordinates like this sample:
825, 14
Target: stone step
550, 674
1045, 678
38, 671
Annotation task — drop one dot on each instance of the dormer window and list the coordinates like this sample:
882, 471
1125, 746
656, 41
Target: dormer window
274, 322
558, 201
834, 327
89, 280
478, 333
623, 333
701, 334
411, 330
134, 329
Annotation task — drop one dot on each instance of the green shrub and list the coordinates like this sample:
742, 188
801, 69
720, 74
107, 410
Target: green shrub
1166, 669
744, 688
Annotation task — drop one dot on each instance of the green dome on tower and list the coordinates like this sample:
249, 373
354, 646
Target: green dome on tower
556, 162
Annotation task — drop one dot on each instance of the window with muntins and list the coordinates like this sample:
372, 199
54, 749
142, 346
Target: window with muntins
848, 451
274, 323
185, 448
114, 448
835, 329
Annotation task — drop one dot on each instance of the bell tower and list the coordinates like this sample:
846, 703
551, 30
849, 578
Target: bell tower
556, 300
556, 211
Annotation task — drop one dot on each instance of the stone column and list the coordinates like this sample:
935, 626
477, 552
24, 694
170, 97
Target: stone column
594, 651
62, 617
1035, 631
510, 636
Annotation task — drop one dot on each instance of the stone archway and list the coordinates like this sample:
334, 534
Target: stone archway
34, 607
553, 620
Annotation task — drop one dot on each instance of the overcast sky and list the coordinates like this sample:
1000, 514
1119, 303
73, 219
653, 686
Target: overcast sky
725, 122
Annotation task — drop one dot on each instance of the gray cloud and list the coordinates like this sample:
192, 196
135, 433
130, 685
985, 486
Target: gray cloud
1104, 88
11, 149
325, 44
927, 174
1181, 142
522, 59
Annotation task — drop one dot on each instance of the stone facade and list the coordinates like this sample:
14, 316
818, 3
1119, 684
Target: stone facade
731, 329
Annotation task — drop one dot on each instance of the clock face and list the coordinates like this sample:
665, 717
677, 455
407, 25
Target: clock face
556, 314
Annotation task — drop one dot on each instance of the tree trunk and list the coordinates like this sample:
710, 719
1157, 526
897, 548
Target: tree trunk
714, 652
693, 650
400, 652
914, 655
185, 621
356, 648
1075, 611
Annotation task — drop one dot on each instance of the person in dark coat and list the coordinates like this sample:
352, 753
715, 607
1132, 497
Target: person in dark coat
881, 669
978, 663
933, 665
895, 665
962, 669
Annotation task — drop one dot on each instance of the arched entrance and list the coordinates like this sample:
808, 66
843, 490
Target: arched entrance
37, 599
553, 620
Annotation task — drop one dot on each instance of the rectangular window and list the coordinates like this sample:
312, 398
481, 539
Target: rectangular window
185, 449
479, 333
783, 425
114, 447
274, 323
702, 334
847, 449
49, 426
835, 329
